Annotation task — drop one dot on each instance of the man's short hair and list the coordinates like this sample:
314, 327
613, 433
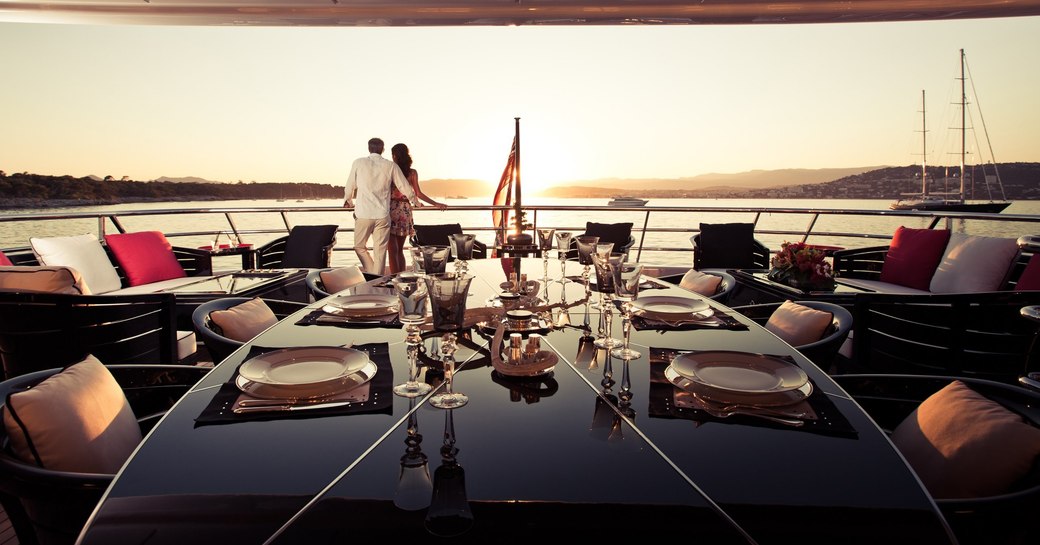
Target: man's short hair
375, 145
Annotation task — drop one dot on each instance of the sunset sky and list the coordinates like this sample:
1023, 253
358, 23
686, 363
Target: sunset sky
299, 104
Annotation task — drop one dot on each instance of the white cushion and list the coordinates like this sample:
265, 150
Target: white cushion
702, 283
43, 279
799, 325
164, 285
244, 321
340, 279
879, 286
973, 263
83, 253
77, 420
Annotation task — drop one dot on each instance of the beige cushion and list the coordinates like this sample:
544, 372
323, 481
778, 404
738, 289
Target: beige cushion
244, 321
963, 445
798, 324
83, 253
973, 263
340, 279
43, 279
77, 420
702, 283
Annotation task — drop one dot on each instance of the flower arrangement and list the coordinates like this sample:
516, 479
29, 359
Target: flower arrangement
802, 266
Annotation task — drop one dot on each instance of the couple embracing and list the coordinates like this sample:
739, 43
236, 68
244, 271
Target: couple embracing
385, 192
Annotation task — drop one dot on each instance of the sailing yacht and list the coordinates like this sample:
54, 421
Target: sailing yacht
950, 202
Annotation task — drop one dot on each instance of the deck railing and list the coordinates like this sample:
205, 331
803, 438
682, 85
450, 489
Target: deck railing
661, 233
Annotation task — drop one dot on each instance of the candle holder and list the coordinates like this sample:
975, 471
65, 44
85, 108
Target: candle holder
412, 296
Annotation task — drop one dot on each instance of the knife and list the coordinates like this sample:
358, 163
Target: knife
278, 407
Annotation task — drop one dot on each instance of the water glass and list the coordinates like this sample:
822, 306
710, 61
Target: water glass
413, 296
545, 238
435, 258
586, 247
626, 278
462, 245
417, 260
448, 293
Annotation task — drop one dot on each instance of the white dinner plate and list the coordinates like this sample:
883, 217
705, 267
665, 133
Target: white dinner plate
326, 389
741, 372
303, 367
726, 397
671, 308
362, 306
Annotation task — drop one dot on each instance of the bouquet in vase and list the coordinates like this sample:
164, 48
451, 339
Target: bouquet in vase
801, 266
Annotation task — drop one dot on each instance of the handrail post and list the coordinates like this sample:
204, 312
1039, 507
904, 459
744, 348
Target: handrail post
642, 236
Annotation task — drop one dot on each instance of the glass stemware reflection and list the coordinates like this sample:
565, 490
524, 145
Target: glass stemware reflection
605, 285
563, 245
586, 247
545, 238
413, 296
449, 514
462, 246
626, 278
414, 485
448, 398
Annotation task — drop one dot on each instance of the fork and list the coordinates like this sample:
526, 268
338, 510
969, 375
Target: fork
728, 413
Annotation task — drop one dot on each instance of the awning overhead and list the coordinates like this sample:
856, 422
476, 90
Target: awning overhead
501, 12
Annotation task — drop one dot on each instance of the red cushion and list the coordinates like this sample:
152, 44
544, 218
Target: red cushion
4, 261
1030, 279
913, 256
145, 257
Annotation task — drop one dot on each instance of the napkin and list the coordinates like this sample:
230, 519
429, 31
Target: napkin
320, 317
817, 413
373, 397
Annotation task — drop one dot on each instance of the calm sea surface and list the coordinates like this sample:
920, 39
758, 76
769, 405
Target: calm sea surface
773, 228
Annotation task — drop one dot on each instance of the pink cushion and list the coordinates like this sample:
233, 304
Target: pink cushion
702, 283
913, 256
1030, 279
77, 420
963, 445
244, 321
145, 257
798, 324
4, 260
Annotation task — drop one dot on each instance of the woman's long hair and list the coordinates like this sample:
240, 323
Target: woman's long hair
401, 156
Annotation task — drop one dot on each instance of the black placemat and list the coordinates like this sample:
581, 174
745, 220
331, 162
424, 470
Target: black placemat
718, 320
662, 404
320, 317
380, 398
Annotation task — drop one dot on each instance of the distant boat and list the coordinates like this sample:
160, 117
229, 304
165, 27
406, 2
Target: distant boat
627, 201
951, 202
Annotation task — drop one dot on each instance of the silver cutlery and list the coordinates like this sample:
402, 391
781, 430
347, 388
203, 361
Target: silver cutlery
261, 405
726, 414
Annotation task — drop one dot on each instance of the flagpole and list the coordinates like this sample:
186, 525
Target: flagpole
516, 205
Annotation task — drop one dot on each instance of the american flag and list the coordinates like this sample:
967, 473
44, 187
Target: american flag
504, 197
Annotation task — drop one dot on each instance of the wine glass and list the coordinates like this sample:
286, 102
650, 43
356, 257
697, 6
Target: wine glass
448, 398
563, 245
462, 245
412, 296
605, 285
586, 247
603, 250
545, 238
626, 288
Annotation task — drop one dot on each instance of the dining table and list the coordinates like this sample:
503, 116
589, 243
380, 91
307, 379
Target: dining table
589, 445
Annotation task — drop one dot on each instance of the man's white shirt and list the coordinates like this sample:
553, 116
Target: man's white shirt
372, 176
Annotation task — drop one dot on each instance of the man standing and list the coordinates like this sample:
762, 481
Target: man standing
371, 177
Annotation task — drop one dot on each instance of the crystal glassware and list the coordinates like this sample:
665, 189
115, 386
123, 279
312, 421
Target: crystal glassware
448, 293
626, 278
462, 246
586, 247
412, 296
449, 514
417, 259
435, 258
545, 238
414, 485
448, 398
563, 245
605, 285
603, 250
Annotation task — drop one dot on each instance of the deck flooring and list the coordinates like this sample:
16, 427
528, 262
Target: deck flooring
7, 536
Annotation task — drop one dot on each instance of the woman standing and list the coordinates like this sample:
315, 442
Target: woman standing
401, 209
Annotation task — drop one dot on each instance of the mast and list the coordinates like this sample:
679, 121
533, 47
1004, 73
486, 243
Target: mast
516, 169
924, 149
964, 124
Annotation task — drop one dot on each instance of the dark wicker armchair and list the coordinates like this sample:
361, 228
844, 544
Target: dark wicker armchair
728, 246
823, 351
219, 346
305, 247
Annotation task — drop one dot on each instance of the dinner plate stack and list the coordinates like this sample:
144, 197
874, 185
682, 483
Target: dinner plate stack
305, 372
367, 305
740, 378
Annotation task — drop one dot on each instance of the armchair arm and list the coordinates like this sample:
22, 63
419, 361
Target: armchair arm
195, 262
862, 263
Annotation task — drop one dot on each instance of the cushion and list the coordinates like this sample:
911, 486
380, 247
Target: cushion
145, 257
43, 279
618, 233
1030, 278
799, 325
702, 283
305, 246
963, 445
83, 253
244, 321
340, 279
4, 260
913, 256
436, 235
973, 264
77, 420
726, 246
